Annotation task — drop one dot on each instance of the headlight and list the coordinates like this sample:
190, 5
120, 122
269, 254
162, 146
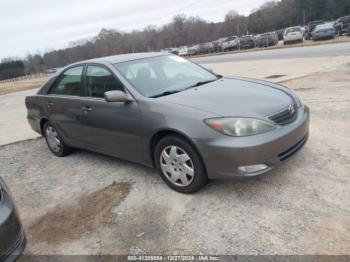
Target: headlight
234, 126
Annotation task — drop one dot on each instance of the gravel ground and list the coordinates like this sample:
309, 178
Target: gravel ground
88, 203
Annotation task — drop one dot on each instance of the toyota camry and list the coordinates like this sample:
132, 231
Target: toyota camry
167, 112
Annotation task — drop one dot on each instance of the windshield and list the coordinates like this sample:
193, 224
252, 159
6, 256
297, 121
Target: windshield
157, 75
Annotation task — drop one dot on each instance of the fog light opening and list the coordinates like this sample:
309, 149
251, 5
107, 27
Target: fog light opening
252, 168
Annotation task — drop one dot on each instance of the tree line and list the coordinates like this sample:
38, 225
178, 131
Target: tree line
182, 30
11, 68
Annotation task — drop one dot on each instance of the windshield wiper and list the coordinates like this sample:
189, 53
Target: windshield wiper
203, 82
166, 93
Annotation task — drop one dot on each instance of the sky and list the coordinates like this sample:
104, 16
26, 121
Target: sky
36, 26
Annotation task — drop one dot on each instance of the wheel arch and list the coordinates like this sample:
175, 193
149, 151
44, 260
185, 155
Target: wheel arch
166, 132
42, 123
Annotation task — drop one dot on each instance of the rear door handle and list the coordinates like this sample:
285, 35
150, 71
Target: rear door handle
87, 109
49, 103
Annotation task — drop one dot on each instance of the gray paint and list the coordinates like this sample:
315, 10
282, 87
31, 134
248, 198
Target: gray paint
12, 238
126, 130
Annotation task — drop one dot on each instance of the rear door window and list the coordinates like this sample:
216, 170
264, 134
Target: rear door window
68, 83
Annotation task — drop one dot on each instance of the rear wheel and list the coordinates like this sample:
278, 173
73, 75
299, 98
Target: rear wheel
54, 141
179, 165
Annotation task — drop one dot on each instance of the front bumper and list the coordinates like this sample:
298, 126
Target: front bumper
12, 237
325, 35
224, 155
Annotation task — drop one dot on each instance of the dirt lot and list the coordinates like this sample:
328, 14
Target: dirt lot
21, 85
88, 203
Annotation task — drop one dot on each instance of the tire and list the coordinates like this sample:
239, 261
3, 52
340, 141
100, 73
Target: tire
54, 141
178, 167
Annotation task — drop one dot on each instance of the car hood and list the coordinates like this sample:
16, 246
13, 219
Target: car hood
235, 97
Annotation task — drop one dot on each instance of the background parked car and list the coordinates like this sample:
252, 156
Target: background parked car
280, 33
267, 39
12, 237
247, 41
212, 47
170, 50
193, 50
342, 24
310, 28
293, 34
203, 48
324, 31
183, 50
231, 43
219, 44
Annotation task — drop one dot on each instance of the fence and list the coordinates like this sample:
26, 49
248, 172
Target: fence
25, 77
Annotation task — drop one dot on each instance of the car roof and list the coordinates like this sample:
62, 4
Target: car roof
315, 22
344, 18
325, 25
266, 34
123, 58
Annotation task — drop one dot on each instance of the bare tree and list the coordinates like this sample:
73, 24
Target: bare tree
183, 30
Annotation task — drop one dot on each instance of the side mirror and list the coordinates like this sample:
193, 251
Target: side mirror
117, 96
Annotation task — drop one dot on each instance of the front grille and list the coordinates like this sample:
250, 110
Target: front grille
291, 151
285, 116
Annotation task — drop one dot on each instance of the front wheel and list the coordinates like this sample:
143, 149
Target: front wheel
54, 141
179, 165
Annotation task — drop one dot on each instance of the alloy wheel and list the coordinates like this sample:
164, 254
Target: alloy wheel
53, 139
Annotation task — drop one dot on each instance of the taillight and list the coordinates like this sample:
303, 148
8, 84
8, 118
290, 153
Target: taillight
26, 102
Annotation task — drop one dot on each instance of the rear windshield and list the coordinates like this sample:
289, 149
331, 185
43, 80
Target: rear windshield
230, 38
293, 29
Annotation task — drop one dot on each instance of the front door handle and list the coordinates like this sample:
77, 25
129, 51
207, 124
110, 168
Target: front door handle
87, 109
